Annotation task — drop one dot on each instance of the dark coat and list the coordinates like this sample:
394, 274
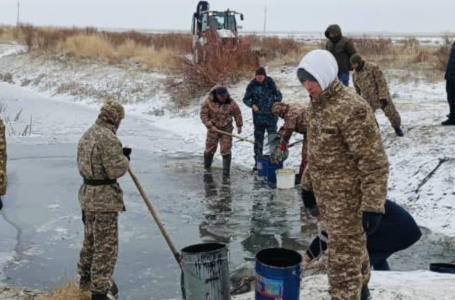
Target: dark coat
450, 72
341, 47
397, 231
263, 96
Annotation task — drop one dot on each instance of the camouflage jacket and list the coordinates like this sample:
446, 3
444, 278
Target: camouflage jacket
345, 148
220, 115
3, 159
294, 121
100, 157
263, 96
370, 83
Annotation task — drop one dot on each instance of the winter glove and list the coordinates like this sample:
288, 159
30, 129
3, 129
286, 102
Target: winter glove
371, 221
309, 201
239, 130
383, 103
283, 148
127, 152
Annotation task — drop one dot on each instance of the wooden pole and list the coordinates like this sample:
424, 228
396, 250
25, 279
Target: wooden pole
236, 136
156, 217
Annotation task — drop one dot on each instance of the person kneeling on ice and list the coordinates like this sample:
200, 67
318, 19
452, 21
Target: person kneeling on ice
295, 120
217, 114
397, 231
347, 171
101, 161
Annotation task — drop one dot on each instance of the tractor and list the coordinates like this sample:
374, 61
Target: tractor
214, 31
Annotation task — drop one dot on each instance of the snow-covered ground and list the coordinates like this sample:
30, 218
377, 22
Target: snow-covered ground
430, 198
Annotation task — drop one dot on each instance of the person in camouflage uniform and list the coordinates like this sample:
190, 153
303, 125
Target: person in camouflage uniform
260, 95
3, 158
295, 120
101, 161
217, 113
347, 171
342, 48
370, 83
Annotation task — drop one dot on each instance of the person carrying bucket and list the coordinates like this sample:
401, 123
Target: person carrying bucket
347, 171
295, 120
397, 231
217, 114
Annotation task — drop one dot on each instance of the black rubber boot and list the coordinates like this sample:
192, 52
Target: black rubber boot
255, 167
1, 203
448, 122
365, 295
398, 131
100, 297
208, 159
227, 165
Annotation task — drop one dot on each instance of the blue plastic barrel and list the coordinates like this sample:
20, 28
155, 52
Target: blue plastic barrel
263, 162
271, 171
278, 274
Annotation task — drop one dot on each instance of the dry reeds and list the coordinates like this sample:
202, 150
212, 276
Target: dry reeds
67, 292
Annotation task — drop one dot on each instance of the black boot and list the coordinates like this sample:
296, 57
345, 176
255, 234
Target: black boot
255, 167
1, 203
208, 159
227, 165
99, 297
365, 295
398, 131
448, 122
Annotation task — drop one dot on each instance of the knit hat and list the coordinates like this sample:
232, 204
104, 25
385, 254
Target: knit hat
303, 75
356, 59
222, 91
261, 71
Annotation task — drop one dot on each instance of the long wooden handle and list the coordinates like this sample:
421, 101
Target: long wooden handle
156, 217
236, 136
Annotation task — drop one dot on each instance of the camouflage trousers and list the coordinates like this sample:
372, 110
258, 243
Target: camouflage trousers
99, 251
348, 263
390, 112
225, 141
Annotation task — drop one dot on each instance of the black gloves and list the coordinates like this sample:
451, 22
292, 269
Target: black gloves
371, 221
309, 201
127, 152
383, 102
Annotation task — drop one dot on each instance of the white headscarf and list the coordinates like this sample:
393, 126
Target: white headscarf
322, 65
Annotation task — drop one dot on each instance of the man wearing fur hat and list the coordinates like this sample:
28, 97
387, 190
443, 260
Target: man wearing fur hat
370, 83
101, 161
347, 171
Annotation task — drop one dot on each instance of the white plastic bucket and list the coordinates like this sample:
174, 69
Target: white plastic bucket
285, 179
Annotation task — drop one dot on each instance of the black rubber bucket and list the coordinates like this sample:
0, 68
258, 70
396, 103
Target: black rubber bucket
206, 272
443, 268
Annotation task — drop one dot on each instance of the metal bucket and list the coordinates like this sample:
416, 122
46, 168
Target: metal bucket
278, 274
206, 272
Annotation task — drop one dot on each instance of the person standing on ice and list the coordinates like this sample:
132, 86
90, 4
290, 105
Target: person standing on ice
295, 120
342, 49
450, 87
260, 95
370, 83
217, 114
101, 161
347, 171
3, 159
396, 232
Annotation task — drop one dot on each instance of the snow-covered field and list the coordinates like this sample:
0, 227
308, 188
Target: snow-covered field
430, 197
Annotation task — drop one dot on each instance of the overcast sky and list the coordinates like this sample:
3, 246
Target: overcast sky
283, 15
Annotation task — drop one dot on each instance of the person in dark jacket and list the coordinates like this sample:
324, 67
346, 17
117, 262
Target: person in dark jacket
397, 231
260, 96
450, 87
342, 48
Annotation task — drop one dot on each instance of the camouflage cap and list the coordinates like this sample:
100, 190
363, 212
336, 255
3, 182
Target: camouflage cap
356, 59
279, 109
112, 112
